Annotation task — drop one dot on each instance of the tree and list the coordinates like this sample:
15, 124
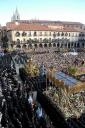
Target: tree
4, 41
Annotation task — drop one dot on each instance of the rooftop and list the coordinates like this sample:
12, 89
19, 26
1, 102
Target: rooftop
37, 27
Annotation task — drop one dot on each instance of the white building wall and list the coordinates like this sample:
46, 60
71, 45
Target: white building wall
74, 36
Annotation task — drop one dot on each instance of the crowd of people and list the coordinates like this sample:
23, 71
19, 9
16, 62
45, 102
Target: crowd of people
70, 105
18, 109
58, 59
17, 106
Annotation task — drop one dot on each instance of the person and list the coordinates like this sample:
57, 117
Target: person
39, 112
82, 63
40, 117
30, 99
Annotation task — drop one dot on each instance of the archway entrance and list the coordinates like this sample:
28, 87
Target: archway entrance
50, 45
40, 45
54, 45
45, 45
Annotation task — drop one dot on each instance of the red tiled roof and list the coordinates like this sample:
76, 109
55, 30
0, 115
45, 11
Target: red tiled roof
51, 21
36, 27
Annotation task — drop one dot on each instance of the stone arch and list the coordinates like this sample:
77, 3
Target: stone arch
58, 44
50, 45
40, 45
45, 45
30, 45
65, 45
61, 45
72, 43
18, 46
54, 44
75, 45
24, 46
18, 41
78, 45
68, 45
35, 45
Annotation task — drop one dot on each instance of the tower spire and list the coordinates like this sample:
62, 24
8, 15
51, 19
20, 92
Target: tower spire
16, 15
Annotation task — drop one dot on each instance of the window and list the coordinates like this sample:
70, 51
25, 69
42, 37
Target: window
24, 39
58, 34
69, 34
40, 33
54, 34
29, 34
40, 39
49, 33
45, 33
62, 34
35, 39
24, 34
18, 41
73, 34
49, 39
66, 34
17, 34
80, 35
35, 34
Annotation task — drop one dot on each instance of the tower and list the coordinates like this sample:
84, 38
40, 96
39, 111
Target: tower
15, 16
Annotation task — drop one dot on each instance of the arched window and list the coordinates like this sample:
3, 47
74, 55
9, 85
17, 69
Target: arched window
29, 34
45, 33
40, 39
58, 34
30, 45
50, 45
35, 33
49, 33
18, 41
45, 40
45, 45
17, 34
62, 34
54, 34
68, 45
40, 45
49, 39
54, 45
78, 45
24, 34
35, 45
66, 34
18, 46
40, 34
24, 46
83, 44
58, 45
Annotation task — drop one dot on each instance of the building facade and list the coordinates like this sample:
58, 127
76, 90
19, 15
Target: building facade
33, 35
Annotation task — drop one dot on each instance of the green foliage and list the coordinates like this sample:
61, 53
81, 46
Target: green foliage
72, 70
